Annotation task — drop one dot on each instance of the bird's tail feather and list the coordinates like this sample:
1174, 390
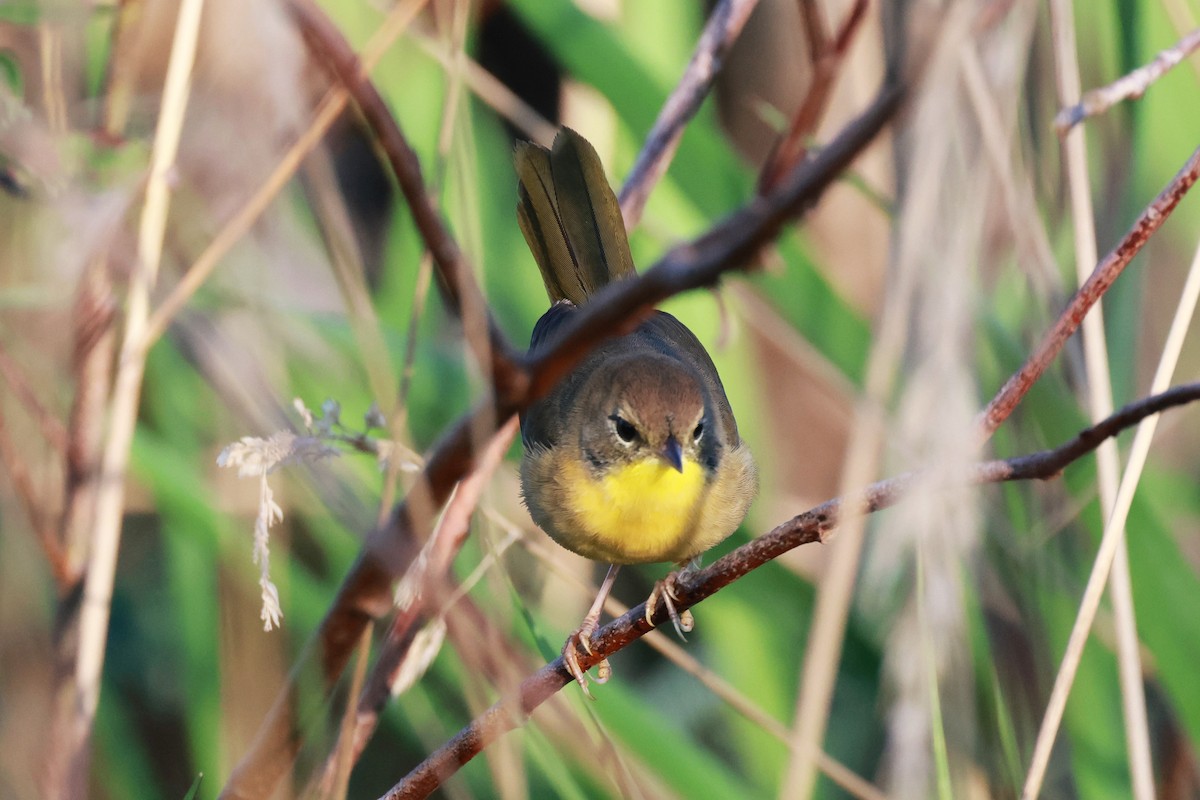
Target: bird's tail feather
571, 218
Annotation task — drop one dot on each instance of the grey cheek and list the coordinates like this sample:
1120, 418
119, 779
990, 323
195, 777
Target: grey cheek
712, 454
594, 460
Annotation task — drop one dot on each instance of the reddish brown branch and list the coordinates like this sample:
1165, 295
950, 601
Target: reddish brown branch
365, 592
93, 328
456, 279
814, 28
42, 527
1106, 272
16, 464
1131, 86
48, 425
92, 362
1049, 463
430, 576
791, 149
811, 526
724, 24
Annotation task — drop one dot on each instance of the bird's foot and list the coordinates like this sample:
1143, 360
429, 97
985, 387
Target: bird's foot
666, 591
581, 640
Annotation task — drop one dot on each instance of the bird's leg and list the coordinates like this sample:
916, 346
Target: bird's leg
582, 637
666, 591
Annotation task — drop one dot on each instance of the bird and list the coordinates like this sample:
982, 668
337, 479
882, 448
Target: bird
634, 456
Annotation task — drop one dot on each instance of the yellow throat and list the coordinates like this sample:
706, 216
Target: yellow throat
640, 510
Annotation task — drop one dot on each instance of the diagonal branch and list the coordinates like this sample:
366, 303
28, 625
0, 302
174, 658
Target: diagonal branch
50, 426
1127, 87
1103, 277
811, 526
455, 276
13, 462
244, 218
827, 61
724, 24
429, 575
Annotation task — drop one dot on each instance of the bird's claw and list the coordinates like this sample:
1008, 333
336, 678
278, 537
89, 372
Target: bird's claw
666, 590
581, 639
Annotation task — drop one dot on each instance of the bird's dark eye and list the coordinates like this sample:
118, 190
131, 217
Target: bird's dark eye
696, 434
626, 432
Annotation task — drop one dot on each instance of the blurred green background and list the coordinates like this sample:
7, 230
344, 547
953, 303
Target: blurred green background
189, 672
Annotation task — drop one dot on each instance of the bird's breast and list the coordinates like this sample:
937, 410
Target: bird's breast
638, 512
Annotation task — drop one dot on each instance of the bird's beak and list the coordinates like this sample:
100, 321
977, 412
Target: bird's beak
673, 453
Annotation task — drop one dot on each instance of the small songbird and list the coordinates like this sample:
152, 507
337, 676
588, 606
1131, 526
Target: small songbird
634, 457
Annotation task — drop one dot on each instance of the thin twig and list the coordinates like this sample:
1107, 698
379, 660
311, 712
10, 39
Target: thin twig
54, 99
814, 28
811, 526
50, 426
428, 575
1112, 540
333, 219
244, 218
398, 421
1129, 87
493, 92
420, 293
841, 775
1099, 389
1105, 274
341, 760
1025, 224
791, 148
456, 279
364, 594
110, 499
43, 528
721, 31
119, 81
1048, 463
92, 363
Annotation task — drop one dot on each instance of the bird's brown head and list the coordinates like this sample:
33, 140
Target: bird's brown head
647, 407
